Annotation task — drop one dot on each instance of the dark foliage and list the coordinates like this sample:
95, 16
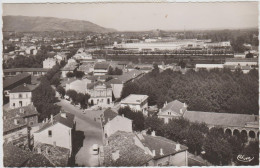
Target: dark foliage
137, 117
215, 90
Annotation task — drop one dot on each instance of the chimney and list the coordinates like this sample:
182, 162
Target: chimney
24, 84
123, 115
47, 150
161, 152
153, 152
15, 122
185, 105
21, 110
39, 150
51, 118
63, 114
160, 110
153, 133
178, 147
115, 155
181, 111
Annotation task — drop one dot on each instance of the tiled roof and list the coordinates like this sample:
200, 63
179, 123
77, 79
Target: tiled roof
68, 121
108, 114
14, 156
174, 106
157, 143
57, 156
129, 153
26, 70
241, 59
220, 119
23, 88
101, 65
10, 125
12, 80
126, 77
38, 160
21, 112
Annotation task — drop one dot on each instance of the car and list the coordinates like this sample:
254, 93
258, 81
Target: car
95, 149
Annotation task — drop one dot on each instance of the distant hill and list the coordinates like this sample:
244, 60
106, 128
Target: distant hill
37, 24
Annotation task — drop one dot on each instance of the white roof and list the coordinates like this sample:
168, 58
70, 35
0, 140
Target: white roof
209, 65
134, 99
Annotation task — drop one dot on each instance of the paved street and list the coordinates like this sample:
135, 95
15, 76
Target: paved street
91, 129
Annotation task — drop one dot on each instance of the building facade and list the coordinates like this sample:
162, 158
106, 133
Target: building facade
135, 102
100, 94
21, 96
48, 63
57, 131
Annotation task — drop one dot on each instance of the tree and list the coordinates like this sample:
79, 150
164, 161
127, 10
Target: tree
44, 98
217, 148
80, 98
154, 124
72, 94
70, 74
109, 78
137, 117
249, 55
78, 74
182, 64
61, 91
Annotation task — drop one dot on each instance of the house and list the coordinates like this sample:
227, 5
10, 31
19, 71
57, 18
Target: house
82, 55
17, 120
12, 82
21, 95
14, 156
32, 71
78, 85
112, 122
57, 131
118, 83
232, 123
86, 68
101, 68
241, 61
69, 67
209, 66
174, 109
121, 151
130, 149
61, 56
100, 93
135, 102
233, 68
48, 63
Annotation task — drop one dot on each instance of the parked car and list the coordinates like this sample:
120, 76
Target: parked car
95, 149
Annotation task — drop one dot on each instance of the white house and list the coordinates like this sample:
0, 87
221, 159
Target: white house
209, 66
78, 85
241, 61
101, 68
112, 122
49, 63
119, 82
56, 131
82, 55
135, 102
174, 109
100, 94
21, 95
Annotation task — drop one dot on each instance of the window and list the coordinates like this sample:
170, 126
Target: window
13, 104
159, 164
31, 123
20, 96
50, 133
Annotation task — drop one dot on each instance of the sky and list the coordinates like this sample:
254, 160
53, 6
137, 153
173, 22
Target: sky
149, 16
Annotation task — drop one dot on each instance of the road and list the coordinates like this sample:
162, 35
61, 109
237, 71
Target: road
86, 124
